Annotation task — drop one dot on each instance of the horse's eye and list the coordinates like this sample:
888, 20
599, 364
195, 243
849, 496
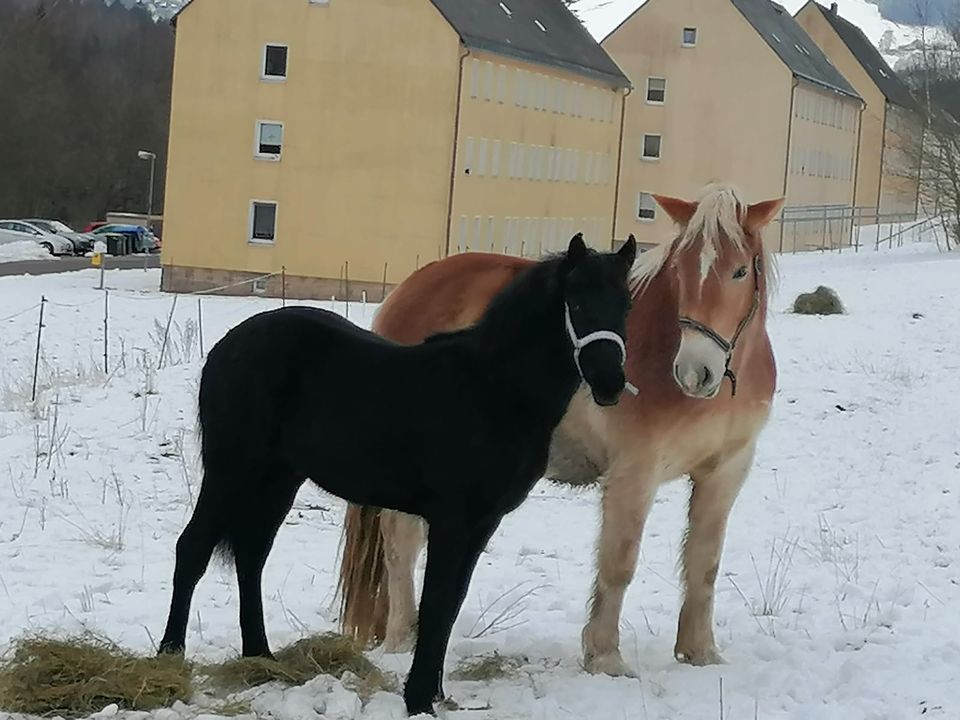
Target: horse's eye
741, 273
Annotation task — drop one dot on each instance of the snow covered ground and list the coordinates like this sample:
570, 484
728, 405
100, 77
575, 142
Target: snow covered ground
839, 584
23, 250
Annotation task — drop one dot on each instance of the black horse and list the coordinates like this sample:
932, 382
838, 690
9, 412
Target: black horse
455, 430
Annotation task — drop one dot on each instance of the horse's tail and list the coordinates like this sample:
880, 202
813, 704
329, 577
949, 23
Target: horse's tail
364, 602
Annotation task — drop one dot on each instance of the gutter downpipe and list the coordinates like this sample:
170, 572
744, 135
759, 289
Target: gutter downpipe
856, 179
456, 149
883, 153
786, 168
616, 189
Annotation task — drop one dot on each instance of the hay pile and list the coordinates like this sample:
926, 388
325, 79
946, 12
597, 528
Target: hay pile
78, 676
487, 667
327, 654
82, 675
822, 301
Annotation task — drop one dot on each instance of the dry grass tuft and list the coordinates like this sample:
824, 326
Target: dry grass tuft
487, 667
327, 654
81, 675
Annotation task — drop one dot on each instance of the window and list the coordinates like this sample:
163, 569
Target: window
488, 80
481, 159
269, 139
263, 222
260, 286
474, 78
462, 234
520, 97
689, 37
495, 159
599, 169
646, 207
275, 62
651, 147
656, 90
502, 84
468, 156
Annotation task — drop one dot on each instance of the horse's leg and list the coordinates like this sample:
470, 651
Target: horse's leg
452, 553
251, 538
627, 495
403, 537
194, 548
714, 490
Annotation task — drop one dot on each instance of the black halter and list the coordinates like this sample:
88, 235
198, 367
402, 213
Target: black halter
730, 346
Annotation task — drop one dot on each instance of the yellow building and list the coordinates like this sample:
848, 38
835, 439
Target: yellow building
887, 177
348, 142
732, 90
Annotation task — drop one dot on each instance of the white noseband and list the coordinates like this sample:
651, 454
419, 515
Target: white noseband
579, 343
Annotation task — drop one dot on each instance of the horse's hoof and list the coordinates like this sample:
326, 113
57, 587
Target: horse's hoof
264, 654
417, 709
699, 658
168, 647
611, 664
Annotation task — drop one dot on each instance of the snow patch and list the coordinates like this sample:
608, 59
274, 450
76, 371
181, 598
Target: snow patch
21, 250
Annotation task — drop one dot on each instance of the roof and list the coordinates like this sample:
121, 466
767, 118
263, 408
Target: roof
793, 45
883, 76
543, 31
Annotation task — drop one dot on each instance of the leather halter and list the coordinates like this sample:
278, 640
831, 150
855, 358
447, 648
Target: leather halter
579, 343
729, 346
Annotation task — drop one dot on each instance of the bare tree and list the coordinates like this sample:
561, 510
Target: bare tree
935, 147
85, 85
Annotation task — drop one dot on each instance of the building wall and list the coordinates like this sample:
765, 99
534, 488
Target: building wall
901, 162
536, 160
822, 167
364, 174
725, 115
871, 132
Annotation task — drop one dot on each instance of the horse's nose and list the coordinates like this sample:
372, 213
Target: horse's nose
706, 381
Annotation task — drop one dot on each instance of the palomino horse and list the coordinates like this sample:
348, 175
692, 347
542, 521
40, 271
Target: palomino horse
698, 320
456, 430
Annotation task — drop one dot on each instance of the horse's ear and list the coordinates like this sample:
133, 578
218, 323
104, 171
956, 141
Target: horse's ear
680, 211
577, 249
762, 214
628, 253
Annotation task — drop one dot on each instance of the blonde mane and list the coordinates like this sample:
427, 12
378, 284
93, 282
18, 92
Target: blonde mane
716, 221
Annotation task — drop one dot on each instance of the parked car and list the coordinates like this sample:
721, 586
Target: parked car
51, 242
141, 239
94, 225
82, 242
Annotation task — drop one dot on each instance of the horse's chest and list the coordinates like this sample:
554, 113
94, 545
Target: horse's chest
708, 439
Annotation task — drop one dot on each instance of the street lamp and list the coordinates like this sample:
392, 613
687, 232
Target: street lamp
152, 157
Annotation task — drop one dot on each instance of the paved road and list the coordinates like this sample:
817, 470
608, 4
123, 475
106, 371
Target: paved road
48, 267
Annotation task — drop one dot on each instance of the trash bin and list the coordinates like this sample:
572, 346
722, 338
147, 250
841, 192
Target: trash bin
118, 244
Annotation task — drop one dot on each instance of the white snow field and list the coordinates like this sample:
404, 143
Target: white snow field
839, 588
